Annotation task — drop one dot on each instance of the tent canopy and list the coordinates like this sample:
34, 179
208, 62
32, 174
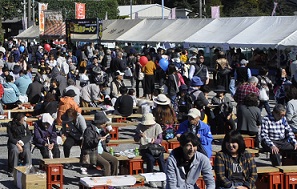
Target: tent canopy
179, 30
220, 30
31, 33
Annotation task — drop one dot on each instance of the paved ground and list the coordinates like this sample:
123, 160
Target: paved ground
72, 176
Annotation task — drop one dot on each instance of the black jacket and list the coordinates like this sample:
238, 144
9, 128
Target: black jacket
91, 139
16, 131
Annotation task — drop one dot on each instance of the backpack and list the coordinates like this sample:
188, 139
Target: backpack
190, 98
100, 78
168, 132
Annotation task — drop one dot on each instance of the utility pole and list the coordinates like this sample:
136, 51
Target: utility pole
200, 8
25, 17
130, 9
163, 9
33, 11
29, 13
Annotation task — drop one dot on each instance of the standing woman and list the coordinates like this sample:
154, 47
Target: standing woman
73, 127
234, 166
139, 75
172, 84
149, 77
249, 116
19, 137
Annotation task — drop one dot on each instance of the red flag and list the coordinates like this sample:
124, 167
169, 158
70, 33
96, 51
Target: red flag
80, 10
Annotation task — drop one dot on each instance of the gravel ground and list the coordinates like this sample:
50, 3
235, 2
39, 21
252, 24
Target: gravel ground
71, 177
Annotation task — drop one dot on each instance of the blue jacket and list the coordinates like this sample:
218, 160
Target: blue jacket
22, 83
205, 134
11, 93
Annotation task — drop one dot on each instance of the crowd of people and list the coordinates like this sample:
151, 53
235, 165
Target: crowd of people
174, 103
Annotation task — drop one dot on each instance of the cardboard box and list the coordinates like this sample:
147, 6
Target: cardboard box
29, 181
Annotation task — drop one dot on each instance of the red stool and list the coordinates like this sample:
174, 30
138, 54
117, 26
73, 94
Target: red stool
54, 175
165, 145
290, 180
121, 119
249, 142
200, 183
131, 166
272, 180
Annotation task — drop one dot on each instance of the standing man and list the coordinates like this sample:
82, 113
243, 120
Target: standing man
245, 89
197, 127
277, 135
185, 164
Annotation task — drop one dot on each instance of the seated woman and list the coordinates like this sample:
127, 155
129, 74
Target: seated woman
165, 116
234, 166
148, 131
73, 127
45, 137
94, 150
19, 137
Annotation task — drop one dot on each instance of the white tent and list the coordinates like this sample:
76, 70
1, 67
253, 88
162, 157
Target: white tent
220, 30
265, 32
145, 30
31, 33
118, 28
290, 41
179, 30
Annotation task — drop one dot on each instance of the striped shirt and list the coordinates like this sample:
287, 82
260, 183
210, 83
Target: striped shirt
276, 130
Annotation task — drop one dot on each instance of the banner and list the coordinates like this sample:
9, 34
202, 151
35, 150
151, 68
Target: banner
54, 25
83, 26
215, 12
41, 7
80, 10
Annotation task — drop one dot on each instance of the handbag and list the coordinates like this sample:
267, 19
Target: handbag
154, 149
263, 94
140, 75
128, 72
83, 64
224, 71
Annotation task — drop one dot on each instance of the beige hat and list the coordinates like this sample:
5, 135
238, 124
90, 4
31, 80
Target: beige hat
148, 119
162, 99
194, 113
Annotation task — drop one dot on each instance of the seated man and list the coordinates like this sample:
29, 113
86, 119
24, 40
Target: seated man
276, 134
197, 127
18, 143
124, 103
186, 163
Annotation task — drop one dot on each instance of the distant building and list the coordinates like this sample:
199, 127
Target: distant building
150, 11
12, 27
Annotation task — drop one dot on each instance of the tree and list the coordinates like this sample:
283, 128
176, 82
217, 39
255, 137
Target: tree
94, 9
9, 10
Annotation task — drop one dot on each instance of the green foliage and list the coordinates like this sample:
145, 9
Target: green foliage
94, 9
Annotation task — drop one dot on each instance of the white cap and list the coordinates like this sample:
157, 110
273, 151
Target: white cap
194, 113
243, 61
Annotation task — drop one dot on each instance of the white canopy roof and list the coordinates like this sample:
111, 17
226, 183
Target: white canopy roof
118, 28
144, 30
265, 32
220, 30
30, 33
179, 30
